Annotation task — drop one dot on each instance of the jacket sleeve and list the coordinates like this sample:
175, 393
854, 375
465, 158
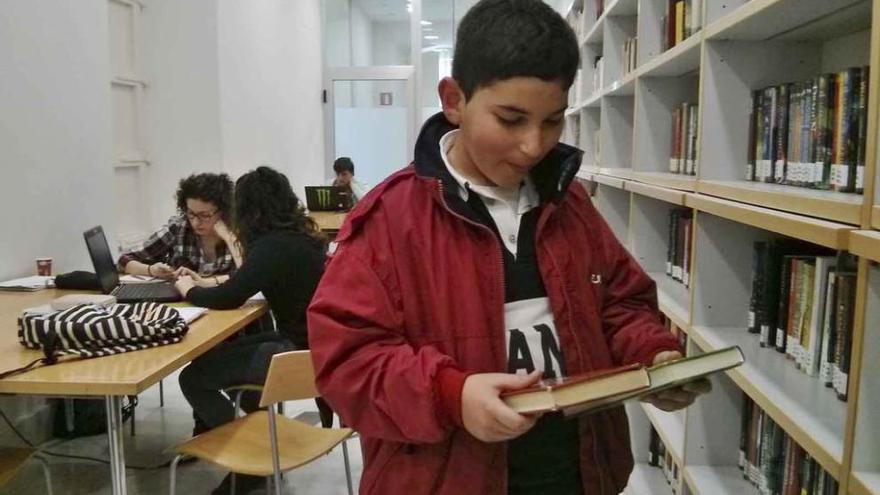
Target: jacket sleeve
630, 317
365, 368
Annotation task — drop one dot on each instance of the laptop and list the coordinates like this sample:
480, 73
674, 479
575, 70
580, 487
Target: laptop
108, 277
328, 198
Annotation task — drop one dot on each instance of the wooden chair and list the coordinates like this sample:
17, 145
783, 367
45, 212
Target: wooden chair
262, 443
12, 459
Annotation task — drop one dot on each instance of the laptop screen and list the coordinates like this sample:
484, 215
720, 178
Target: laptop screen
327, 198
99, 251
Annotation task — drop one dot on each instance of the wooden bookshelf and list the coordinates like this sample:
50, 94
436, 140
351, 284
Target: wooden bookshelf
662, 193
743, 46
667, 180
865, 243
800, 404
834, 206
822, 232
758, 20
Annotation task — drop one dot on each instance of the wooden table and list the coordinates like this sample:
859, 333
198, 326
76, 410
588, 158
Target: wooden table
110, 377
328, 221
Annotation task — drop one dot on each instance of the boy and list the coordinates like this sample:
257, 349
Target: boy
343, 167
476, 270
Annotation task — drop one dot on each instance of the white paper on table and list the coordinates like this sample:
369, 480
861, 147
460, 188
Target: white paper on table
34, 282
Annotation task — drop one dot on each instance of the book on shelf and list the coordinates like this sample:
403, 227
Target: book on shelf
628, 62
801, 304
811, 133
561, 394
773, 462
681, 20
667, 375
661, 457
678, 249
598, 70
683, 148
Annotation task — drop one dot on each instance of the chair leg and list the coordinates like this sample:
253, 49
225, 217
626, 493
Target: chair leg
161, 393
236, 403
45, 466
347, 467
273, 440
173, 474
133, 412
68, 415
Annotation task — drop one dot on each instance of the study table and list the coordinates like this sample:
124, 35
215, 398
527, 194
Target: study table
109, 377
328, 221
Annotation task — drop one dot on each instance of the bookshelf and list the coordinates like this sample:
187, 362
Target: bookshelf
743, 46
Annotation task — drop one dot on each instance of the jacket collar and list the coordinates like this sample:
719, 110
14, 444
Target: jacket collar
551, 176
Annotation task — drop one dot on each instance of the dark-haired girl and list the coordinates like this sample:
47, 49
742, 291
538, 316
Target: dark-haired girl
196, 239
283, 258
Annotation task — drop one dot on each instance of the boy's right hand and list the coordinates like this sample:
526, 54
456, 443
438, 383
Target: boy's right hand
485, 415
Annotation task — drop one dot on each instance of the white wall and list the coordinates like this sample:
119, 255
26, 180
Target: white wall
56, 176
182, 102
270, 88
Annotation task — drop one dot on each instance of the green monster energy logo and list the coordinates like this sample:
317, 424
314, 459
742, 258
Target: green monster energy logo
324, 198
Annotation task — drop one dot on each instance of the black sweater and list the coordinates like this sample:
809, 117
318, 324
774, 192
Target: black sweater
286, 267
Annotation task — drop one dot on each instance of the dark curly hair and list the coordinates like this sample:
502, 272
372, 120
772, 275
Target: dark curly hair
265, 202
210, 188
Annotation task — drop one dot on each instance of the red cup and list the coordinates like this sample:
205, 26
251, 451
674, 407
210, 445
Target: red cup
44, 266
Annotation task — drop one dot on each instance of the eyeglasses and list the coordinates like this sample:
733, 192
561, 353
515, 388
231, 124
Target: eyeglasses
201, 217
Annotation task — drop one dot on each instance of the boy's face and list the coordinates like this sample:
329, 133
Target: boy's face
506, 128
344, 178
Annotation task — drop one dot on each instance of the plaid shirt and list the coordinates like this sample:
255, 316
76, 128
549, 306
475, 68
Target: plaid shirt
176, 244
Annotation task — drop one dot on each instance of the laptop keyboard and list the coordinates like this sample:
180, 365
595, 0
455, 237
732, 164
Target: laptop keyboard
144, 291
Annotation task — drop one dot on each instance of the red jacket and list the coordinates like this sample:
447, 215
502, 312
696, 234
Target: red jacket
412, 301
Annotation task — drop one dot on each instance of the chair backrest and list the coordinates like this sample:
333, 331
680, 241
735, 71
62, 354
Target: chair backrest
290, 377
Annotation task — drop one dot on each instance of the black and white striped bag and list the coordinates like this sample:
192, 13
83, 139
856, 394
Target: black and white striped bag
88, 331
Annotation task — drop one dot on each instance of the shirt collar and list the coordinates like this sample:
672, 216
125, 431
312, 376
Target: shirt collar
527, 194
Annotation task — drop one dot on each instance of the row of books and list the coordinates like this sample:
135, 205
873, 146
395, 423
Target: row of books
683, 18
683, 149
678, 247
811, 133
628, 62
802, 305
773, 462
660, 457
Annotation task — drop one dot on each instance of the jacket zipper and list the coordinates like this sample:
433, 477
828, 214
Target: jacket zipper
500, 257
541, 222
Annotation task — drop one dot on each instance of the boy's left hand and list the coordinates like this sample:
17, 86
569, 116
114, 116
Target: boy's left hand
679, 397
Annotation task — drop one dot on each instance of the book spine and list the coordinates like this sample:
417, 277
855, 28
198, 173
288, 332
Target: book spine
753, 140
781, 127
674, 144
862, 143
784, 288
828, 335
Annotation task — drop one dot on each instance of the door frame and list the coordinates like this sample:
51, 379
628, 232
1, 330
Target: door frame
404, 73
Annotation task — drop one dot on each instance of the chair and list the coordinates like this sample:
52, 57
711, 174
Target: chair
262, 443
12, 459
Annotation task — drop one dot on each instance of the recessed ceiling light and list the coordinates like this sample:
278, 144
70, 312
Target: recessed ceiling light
432, 37
426, 23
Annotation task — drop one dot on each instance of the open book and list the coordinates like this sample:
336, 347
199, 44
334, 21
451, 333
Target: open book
592, 391
670, 374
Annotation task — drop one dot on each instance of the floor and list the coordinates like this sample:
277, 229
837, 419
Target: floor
157, 429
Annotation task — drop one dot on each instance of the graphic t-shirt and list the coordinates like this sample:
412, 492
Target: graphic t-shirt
545, 460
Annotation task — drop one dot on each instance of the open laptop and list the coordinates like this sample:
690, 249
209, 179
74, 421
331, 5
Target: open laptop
108, 277
328, 198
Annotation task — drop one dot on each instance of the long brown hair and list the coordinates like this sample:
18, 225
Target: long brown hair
264, 202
